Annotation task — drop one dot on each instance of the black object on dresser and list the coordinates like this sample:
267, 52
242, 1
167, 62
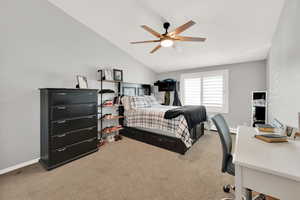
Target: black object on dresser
68, 125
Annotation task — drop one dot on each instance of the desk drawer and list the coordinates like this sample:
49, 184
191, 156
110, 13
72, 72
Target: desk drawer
72, 111
65, 98
66, 139
69, 152
63, 126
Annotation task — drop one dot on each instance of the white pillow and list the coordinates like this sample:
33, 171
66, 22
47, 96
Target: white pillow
152, 101
139, 102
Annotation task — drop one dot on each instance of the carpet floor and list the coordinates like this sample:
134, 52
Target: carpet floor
126, 170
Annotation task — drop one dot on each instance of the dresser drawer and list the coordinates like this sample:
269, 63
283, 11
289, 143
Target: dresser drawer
72, 111
69, 152
64, 98
66, 139
63, 126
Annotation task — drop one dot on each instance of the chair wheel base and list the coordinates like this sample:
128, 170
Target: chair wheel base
226, 188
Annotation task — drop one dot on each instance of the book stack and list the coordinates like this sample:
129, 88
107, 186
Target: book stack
265, 128
272, 138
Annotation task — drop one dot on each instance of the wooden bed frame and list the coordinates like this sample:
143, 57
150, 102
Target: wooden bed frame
162, 141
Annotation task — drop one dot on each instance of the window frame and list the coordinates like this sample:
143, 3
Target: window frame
224, 73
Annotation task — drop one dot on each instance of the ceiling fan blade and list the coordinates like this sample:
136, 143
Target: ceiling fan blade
150, 30
191, 39
155, 49
182, 28
148, 41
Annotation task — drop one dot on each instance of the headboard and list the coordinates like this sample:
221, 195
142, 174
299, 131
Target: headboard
135, 89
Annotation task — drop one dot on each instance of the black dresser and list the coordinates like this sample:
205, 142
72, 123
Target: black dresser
68, 125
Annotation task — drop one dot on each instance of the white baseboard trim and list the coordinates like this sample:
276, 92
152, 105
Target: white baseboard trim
18, 166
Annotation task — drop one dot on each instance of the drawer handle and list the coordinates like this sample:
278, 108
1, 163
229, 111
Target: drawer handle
90, 105
90, 93
91, 140
62, 135
62, 121
61, 107
61, 149
89, 129
90, 117
62, 94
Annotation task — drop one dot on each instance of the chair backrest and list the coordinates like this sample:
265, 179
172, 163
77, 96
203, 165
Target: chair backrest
225, 137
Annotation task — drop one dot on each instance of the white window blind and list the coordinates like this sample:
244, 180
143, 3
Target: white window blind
213, 91
206, 88
192, 88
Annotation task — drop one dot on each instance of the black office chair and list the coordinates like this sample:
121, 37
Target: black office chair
227, 164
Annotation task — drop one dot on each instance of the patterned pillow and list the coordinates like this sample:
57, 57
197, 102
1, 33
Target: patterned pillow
139, 102
152, 100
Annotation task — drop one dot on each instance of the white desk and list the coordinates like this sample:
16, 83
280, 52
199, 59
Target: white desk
268, 168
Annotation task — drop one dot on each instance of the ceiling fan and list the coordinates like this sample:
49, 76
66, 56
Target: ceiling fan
167, 39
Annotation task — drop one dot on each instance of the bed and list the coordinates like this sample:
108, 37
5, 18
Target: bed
146, 123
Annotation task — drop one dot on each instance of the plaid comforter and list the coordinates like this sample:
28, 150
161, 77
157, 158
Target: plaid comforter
153, 118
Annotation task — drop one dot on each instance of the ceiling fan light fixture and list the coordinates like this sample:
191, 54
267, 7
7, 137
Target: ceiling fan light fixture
167, 43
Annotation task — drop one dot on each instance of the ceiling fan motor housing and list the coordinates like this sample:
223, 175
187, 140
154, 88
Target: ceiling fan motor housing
166, 26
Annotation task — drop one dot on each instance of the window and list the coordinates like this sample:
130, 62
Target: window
206, 88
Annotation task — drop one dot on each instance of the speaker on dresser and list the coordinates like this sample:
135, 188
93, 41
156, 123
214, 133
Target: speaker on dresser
69, 125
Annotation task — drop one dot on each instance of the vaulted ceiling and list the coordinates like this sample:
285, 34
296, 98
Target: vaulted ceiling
236, 30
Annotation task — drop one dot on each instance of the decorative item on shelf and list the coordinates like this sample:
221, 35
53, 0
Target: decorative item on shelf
111, 117
81, 82
106, 91
105, 116
118, 75
107, 103
111, 129
108, 74
105, 74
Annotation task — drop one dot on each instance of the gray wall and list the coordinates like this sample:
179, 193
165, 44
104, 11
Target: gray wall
284, 67
243, 79
43, 47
